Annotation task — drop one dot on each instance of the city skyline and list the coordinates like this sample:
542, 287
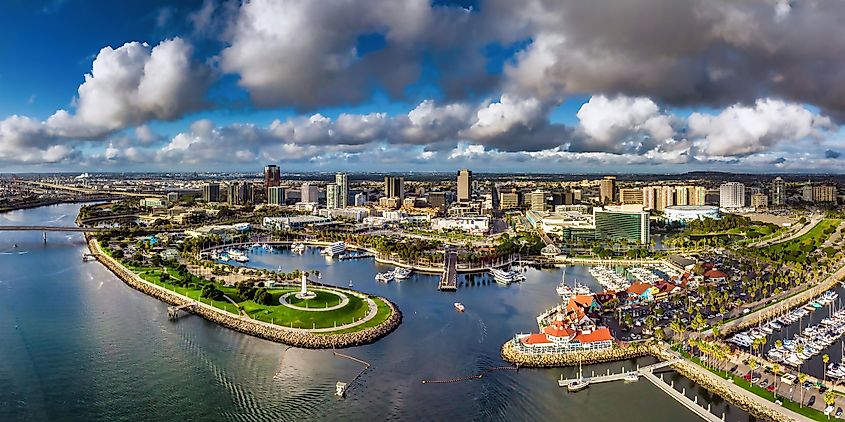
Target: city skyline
554, 88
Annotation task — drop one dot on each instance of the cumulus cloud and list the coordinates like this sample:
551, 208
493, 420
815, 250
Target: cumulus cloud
622, 124
133, 84
743, 130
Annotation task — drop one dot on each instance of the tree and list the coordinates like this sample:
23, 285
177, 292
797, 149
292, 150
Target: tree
829, 399
776, 368
164, 277
825, 359
802, 377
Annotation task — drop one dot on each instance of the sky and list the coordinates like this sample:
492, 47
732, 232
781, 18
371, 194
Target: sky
563, 86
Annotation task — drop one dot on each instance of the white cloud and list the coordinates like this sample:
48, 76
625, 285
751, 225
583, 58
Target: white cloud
743, 130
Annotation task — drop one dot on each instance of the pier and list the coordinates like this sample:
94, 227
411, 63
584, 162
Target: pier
342, 387
647, 372
472, 377
362, 255
173, 311
449, 278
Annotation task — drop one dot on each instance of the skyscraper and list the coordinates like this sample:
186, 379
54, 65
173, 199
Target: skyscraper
394, 187
464, 185
239, 193
538, 200
778, 192
211, 192
342, 182
732, 195
309, 193
272, 176
607, 189
276, 195
333, 196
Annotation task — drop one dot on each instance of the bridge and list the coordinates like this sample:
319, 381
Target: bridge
449, 278
77, 189
47, 229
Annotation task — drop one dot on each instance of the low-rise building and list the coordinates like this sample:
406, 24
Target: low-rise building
296, 221
473, 225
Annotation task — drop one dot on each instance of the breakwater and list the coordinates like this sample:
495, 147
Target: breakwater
754, 405
290, 336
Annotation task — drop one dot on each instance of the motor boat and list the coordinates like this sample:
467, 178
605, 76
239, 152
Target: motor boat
506, 277
401, 273
459, 306
385, 277
334, 249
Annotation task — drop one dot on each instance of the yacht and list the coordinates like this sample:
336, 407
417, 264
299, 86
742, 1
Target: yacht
237, 255
401, 273
298, 247
335, 248
506, 276
385, 277
350, 283
459, 306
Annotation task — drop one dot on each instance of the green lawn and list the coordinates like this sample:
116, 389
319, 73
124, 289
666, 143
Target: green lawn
798, 249
276, 314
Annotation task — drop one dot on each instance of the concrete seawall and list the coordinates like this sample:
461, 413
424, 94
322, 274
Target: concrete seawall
745, 400
292, 337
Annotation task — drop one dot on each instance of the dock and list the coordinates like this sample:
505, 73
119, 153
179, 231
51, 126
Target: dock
647, 372
347, 257
173, 311
342, 387
449, 278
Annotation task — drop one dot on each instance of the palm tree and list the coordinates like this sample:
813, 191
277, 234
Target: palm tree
776, 368
801, 378
825, 359
798, 350
829, 399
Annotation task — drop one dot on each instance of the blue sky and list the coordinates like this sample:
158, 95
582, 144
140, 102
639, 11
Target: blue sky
413, 85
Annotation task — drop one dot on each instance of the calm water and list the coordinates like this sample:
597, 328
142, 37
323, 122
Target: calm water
77, 344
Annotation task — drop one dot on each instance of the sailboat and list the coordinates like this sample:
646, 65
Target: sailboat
350, 283
579, 383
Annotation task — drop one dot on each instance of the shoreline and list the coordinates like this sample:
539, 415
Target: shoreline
747, 401
291, 337
54, 202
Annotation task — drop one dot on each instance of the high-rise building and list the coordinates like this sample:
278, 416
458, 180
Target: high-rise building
333, 196
239, 193
342, 182
822, 193
759, 201
538, 200
276, 195
464, 185
696, 195
360, 199
622, 222
778, 192
310, 193
272, 176
732, 195
682, 195
394, 187
667, 197
437, 199
211, 192
607, 189
631, 195
508, 199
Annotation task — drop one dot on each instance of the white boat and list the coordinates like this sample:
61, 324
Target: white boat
237, 255
506, 276
631, 377
256, 246
298, 248
385, 277
459, 306
350, 283
335, 248
401, 273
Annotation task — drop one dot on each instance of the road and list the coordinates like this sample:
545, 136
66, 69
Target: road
789, 235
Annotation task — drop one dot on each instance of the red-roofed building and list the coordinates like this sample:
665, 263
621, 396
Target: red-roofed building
559, 330
641, 292
715, 276
596, 336
536, 339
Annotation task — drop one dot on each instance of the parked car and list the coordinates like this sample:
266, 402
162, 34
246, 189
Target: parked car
811, 401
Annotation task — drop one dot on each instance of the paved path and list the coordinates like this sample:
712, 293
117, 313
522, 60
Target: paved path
814, 220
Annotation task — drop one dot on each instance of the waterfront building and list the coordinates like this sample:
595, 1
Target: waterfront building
778, 192
342, 182
464, 185
629, 222
732, 195
333, 196
686, 213
630, 196
272, 176
310, 193
394, 187
474, 225
211, 192
356, 214
360, 199
276, 195
558, 338
538, 200
759, 201
607, 189
153, 202
292, 222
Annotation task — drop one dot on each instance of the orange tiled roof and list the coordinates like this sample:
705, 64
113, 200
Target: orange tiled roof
638, 288
599, 334
536, 338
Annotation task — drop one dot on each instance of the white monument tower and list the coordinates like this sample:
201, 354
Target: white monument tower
303, 292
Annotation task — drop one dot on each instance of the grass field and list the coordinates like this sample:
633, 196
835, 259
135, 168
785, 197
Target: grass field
796, 250
276, 314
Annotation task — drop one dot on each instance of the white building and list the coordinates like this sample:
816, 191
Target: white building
472, 225
296, 221
334, 197
732, 195
360, 199
309, 193
686, 213
342, 182
276, 195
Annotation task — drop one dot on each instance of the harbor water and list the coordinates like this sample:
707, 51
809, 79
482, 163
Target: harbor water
78, 344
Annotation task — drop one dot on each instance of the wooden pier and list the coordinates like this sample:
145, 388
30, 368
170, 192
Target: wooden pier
647, 372
449, 278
